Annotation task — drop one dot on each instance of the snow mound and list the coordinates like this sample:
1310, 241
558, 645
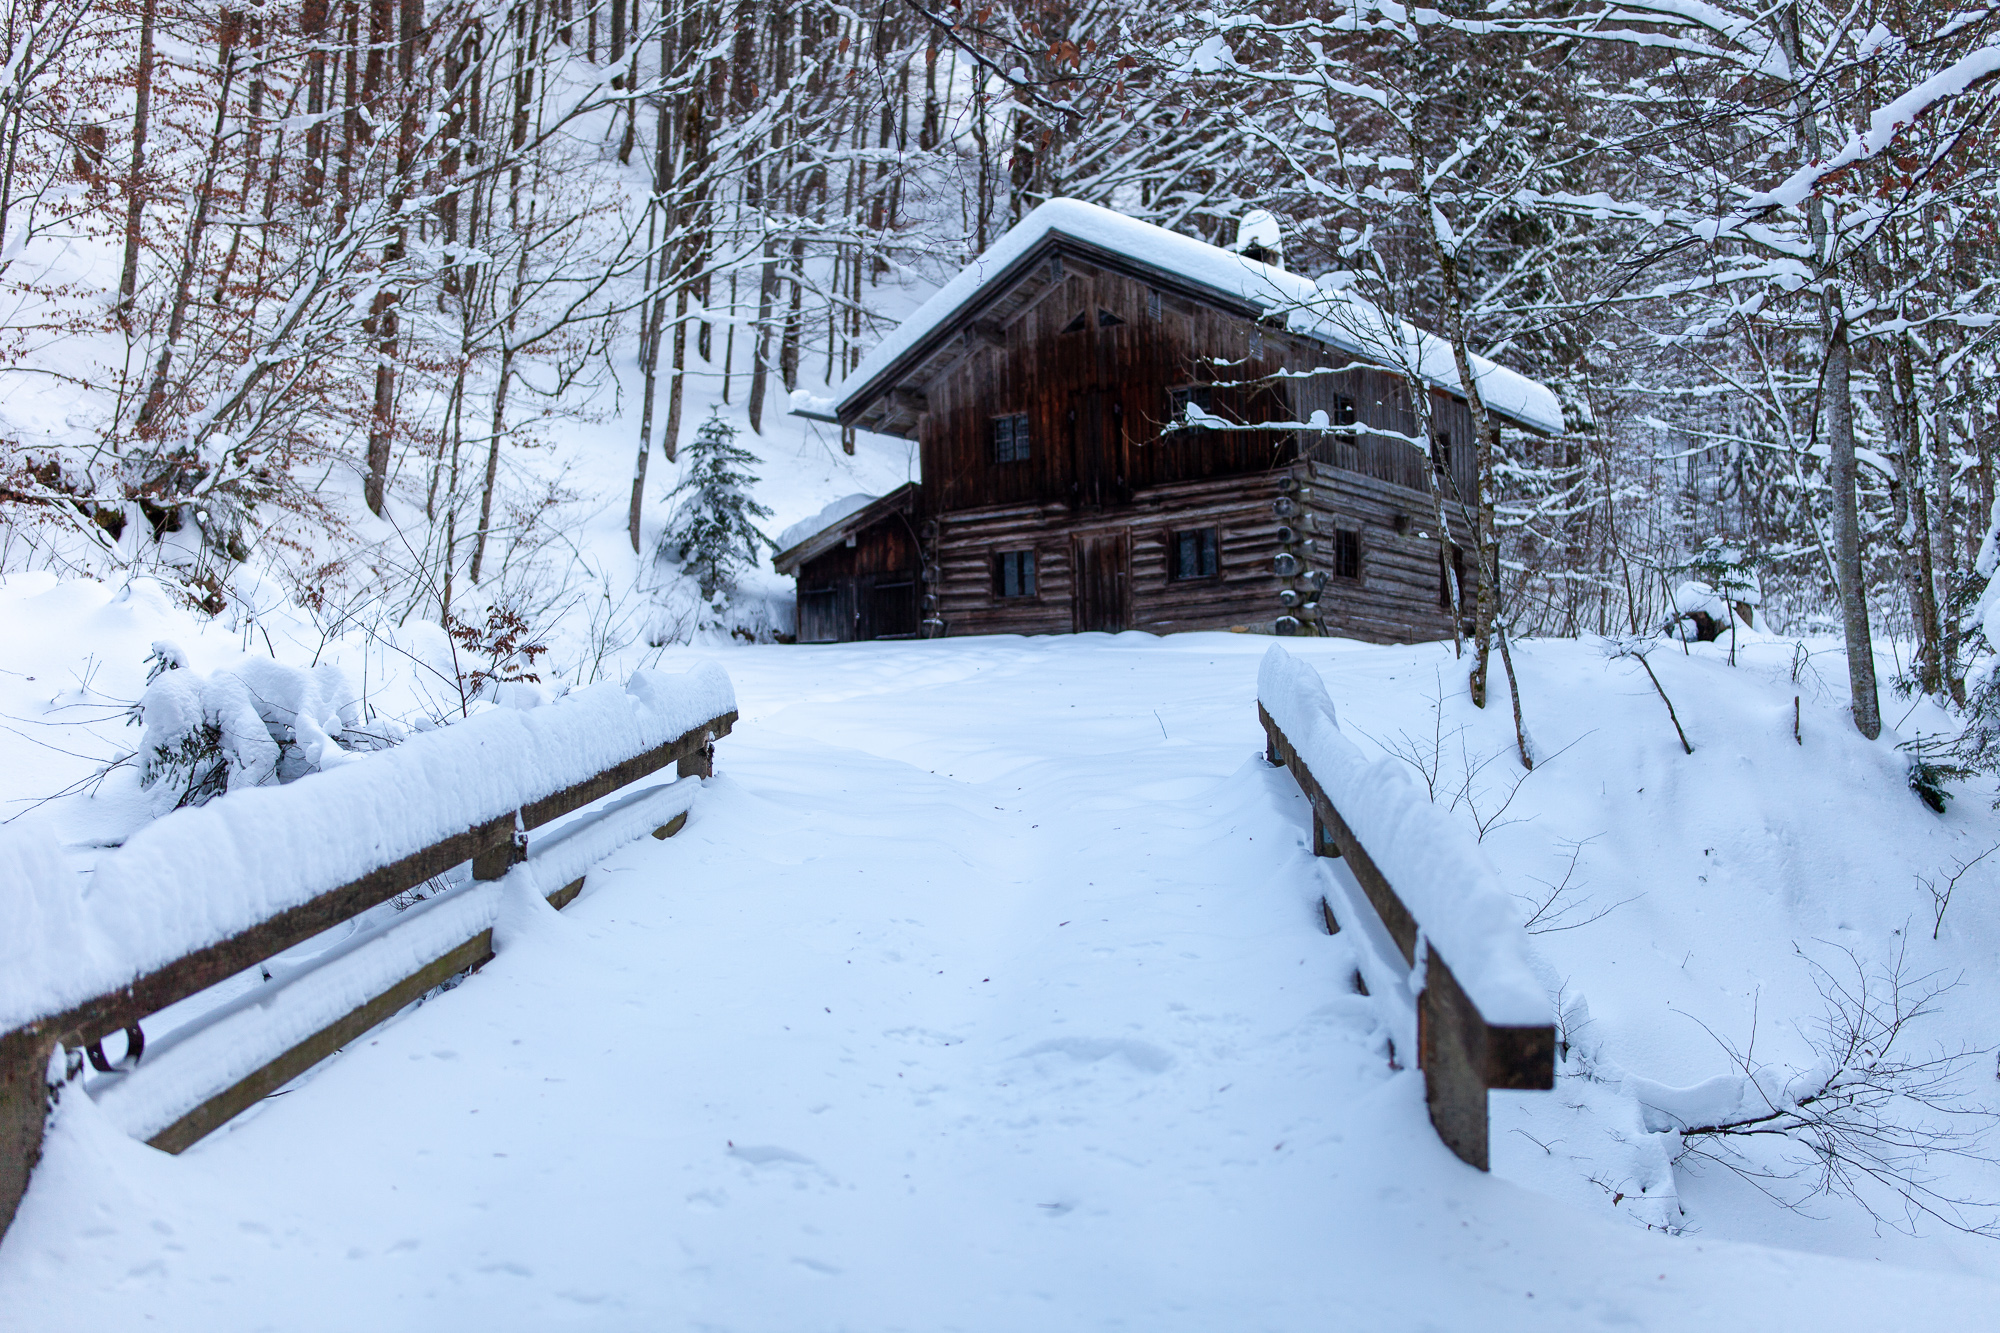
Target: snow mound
1434, 865
248, 725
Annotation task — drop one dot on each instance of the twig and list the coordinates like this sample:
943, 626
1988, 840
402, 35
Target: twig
1638, 648
1671, 715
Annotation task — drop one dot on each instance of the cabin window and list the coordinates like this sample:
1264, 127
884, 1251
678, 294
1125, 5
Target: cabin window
1107, 320
1192, 555
1346, 554
1188, 395
1079, 324
1153, 303
1441, 454
1345, 417
1014, 574
1010, 438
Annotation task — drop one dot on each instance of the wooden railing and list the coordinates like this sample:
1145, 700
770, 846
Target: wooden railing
493, 847
1461, 1054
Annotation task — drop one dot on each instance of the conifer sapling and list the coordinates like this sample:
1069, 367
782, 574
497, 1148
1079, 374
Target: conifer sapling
713, 532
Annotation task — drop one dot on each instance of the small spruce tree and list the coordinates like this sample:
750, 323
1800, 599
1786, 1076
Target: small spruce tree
713, 532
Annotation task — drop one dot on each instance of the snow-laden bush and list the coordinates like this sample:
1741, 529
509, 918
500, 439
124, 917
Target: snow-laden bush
252, 724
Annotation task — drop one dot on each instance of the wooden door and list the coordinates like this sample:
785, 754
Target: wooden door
888, 608
1097, 447
1102, 582
825, 614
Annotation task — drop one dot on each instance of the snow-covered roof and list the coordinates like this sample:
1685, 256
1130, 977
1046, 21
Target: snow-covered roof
814, 536
1324, 313
824, 519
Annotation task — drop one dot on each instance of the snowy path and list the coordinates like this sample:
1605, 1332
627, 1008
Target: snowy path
982, 992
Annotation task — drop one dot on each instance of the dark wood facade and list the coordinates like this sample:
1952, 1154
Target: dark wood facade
1060, 495
861, 578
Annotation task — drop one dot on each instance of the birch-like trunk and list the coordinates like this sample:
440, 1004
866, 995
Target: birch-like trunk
1839, 417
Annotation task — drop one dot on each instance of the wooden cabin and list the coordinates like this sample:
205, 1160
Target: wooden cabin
1124, 428
860, 576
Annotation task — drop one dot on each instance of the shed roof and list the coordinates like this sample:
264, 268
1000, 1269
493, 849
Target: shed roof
902, 362
832, 525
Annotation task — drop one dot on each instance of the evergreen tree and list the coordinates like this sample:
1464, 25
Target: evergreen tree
713, 531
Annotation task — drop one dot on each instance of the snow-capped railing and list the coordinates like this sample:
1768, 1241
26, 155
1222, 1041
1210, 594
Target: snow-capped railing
206, 893
1483, 1021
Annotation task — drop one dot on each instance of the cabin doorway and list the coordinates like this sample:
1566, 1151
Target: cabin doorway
1102, 594
888, 609
1097, 446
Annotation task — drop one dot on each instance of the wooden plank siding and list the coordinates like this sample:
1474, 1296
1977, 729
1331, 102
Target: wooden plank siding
1244, 594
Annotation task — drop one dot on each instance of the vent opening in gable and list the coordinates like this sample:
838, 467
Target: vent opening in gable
1105, 319
1079, 324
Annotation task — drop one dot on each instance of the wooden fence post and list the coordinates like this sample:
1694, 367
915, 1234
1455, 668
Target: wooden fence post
24, 1110
1451, 1041
700, 764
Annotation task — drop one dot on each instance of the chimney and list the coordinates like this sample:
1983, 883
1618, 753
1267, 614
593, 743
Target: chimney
1258, 238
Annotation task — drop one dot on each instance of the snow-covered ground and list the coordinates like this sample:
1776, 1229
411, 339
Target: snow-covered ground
985, 990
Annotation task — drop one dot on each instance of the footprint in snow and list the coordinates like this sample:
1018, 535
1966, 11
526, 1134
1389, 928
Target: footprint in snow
922, 1037
1147, 1059
768, 1155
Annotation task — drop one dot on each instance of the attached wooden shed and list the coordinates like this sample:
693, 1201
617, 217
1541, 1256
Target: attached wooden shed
1121, 427
860, 576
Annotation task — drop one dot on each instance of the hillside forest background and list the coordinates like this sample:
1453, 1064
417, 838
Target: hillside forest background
407, 310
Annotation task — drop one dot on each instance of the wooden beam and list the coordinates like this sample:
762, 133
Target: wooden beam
231, 1102
554, 806
113, 1012
986, 333
24, 1107
470, 956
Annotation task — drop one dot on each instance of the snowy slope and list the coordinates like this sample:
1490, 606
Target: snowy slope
984, 991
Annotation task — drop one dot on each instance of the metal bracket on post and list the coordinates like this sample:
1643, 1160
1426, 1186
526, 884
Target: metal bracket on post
505, 843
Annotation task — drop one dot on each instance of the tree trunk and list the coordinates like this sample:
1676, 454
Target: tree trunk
1839, 416
381, 427
655, 318
499, 427
1485, 534
156, 391
135, 187
312, 26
